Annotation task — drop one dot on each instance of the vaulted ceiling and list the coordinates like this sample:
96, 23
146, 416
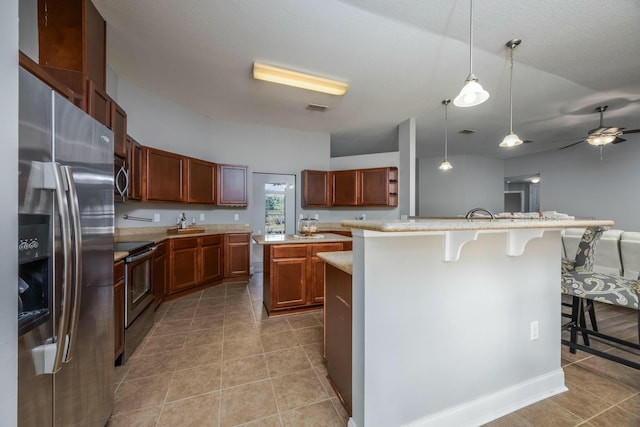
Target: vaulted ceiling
401, 58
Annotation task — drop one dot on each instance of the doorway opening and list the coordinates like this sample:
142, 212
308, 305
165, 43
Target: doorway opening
522, 193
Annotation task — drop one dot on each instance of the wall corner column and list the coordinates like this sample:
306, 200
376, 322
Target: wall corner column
407, 169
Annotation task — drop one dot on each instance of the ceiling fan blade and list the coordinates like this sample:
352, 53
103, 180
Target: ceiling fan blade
618, 140
624, 132
571, 145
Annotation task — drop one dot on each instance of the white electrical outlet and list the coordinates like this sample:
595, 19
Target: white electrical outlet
156, 217
535, 330
316, 216
236, 217
201, 217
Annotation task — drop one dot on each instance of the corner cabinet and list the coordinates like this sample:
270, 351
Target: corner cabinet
232, 185
378, 187
163, 176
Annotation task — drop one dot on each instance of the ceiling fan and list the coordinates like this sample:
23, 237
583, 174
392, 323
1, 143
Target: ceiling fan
603, 135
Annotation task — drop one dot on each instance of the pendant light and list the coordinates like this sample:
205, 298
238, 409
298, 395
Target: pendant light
511, 140
445, 165
472, 93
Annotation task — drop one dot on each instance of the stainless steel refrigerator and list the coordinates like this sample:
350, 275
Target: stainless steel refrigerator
65, 253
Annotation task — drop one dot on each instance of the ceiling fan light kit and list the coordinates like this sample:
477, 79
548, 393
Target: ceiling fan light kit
445, 165
282, 76
472, 92
511, 140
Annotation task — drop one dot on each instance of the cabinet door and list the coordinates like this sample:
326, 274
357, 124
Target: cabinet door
185, 264
288, 282
374, 187
338, 319
163, 176
119, 127
212, 269
201, 181
135, 168
232, 185
159, 273
98, 104
236, 255
345, 188
118, 308
316, 286
315, 188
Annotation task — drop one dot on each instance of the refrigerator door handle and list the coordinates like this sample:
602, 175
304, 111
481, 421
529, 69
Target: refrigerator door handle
74, 210
122, 191
65, 235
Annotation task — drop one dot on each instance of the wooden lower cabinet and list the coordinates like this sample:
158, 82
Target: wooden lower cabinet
160, 273
338, 335
198, 261
118, 308
236, 256
184, 264
212, 257
294, 275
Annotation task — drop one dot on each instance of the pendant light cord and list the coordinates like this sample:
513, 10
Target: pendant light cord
471, 40
511, 94
445, 131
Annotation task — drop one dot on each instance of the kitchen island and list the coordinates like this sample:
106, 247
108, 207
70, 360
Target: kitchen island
293, 273
454, 322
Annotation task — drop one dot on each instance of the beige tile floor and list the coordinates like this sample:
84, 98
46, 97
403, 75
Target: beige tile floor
213, 358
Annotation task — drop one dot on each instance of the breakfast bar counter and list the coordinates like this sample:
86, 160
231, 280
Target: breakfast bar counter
454, 322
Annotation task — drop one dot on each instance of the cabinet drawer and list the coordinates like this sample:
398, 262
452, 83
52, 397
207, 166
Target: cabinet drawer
289, 251
118, 271
238, 238
212, 240
185, 243
326, 247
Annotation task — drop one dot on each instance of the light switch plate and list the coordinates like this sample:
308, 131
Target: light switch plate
201, 217
156, 217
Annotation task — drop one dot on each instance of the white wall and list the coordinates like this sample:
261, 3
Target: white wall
473, 182
577, 182
9, 222
29, 28
158, 122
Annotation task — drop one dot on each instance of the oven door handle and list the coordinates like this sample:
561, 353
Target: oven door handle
140, 256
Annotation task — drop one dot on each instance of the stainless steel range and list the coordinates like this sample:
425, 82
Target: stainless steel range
138, 286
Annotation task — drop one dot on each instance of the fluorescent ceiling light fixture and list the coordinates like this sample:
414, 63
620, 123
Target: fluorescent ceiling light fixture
472, 92
511, 140
300, 80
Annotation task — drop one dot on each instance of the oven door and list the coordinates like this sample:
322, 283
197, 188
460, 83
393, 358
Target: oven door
138, 284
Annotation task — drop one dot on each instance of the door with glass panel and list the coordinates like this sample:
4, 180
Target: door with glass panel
273, 209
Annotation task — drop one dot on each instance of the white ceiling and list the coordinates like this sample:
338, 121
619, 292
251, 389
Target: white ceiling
401, 58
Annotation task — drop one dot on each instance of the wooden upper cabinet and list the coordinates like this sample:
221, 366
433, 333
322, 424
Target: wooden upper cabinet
316, 188
118, 125
374, 187
345, 186
99, 104
72, 40
163, 176
134, 156
201, 181
232, 185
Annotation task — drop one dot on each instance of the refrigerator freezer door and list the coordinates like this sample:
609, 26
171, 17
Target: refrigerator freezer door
83, 387
35, 391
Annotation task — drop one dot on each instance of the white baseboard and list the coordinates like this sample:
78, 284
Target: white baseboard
490, 407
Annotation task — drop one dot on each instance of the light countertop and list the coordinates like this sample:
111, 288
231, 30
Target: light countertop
414, 225
342, 260
289, 239
117, 256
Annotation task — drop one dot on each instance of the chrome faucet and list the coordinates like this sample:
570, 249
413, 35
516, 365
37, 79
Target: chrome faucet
472, 212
